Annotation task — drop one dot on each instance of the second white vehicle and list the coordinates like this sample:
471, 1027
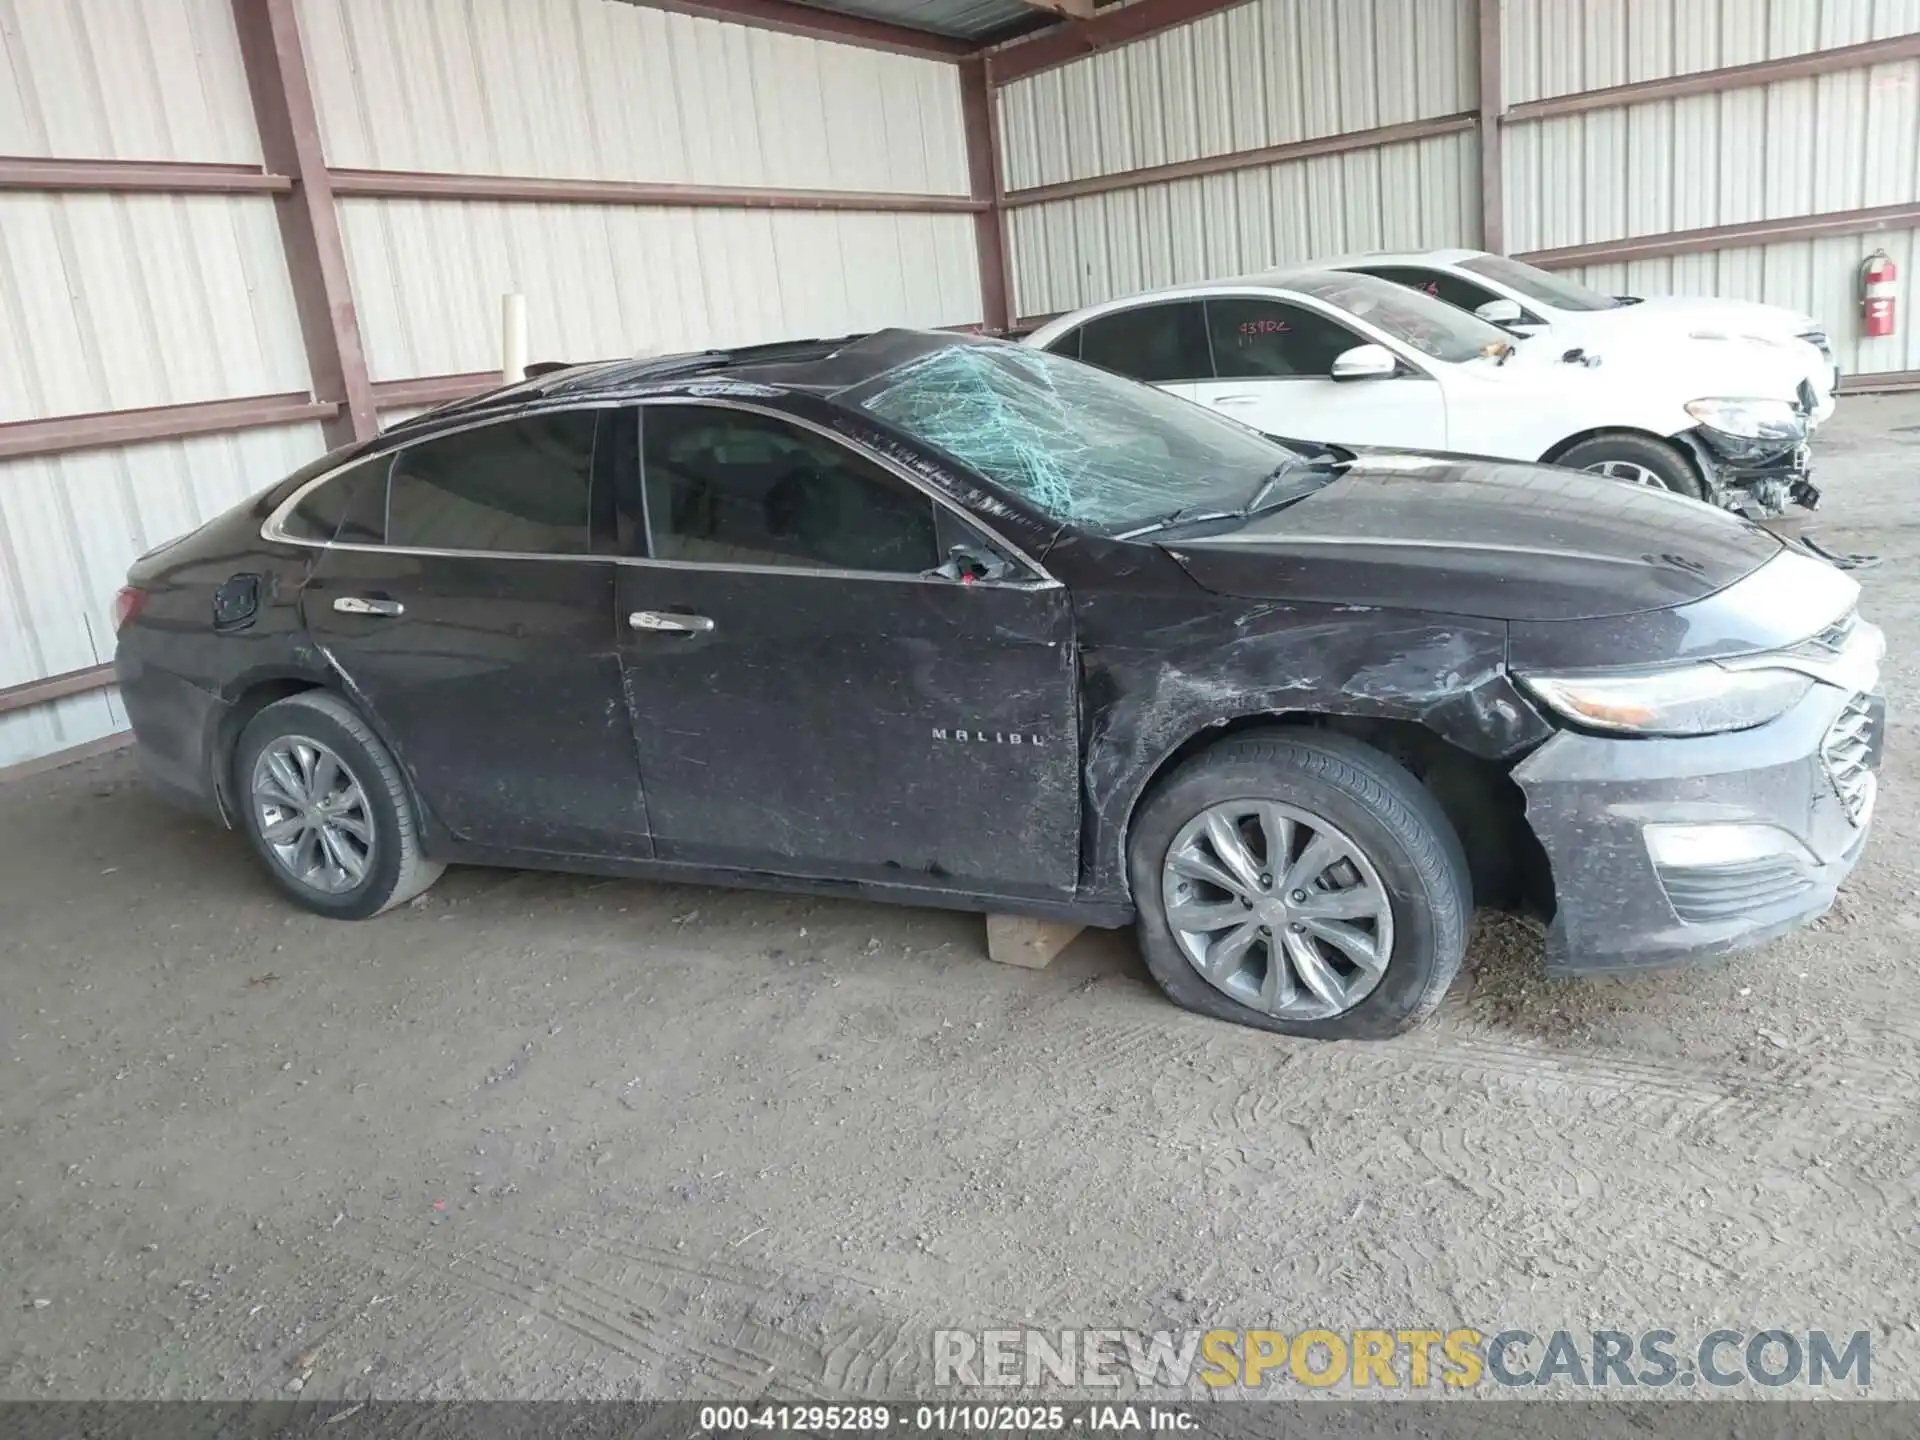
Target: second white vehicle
1347, 359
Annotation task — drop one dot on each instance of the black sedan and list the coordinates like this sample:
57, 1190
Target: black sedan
947, 621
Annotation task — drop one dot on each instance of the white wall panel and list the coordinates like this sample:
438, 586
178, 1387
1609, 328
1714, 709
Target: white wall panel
59, 725
1797, 147
1817, 276
69, 527
1070, 253
124, 80
114, 302
605, 281
1260, 74
612, 91
1561, 47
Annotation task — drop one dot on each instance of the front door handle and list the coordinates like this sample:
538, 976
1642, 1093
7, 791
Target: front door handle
362, 605
669, 624
1236, 399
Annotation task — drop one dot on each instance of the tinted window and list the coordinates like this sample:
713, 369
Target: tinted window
725, 487
1254, 338
1155, 343
1441, 284
1068, 345
521, 485
347, 507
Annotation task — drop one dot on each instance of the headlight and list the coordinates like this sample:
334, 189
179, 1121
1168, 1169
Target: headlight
1687, 700
1750, 419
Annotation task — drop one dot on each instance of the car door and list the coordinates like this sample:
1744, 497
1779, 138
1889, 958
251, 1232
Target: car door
1273, 364
833, 674
467, 600
1162, 344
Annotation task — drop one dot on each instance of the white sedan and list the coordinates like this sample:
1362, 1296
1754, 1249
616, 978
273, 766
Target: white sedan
1525, 300
1345, 359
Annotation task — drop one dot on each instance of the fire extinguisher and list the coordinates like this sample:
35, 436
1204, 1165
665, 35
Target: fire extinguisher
1879, 288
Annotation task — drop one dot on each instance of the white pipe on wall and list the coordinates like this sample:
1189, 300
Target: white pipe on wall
513, 337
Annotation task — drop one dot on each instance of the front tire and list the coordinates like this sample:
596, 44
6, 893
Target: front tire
1637, 460
326, 809
1300, 882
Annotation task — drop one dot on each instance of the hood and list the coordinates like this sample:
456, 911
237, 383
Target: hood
1731, 317
1485, 538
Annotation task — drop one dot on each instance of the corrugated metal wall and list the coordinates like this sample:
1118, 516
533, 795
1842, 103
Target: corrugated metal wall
1261, 74
120, 302
601, 90
1842, 141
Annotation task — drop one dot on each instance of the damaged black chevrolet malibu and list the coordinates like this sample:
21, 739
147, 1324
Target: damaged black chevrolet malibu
945, 621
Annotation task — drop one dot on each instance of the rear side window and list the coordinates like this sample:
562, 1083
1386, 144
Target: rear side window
1156, 343
1441, 284
347, 508
1067, 345
521, 486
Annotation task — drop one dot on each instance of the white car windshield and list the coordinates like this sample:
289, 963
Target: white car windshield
1430, 326
1538, 284
1079, 443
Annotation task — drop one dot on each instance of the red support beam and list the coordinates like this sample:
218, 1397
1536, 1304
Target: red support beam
1113, 26
429, 185
1723, 237
1713, 82
62, 434
126, 177
980, 113
792, 19
430, 390
55, 687
1493, 180
1241, 160
283, 108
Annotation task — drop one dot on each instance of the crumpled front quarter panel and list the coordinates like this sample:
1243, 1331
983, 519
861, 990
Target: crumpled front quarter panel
1160, 669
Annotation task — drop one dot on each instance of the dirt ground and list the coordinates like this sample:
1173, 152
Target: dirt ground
544, 1136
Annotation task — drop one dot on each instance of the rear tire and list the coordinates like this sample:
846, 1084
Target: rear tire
1396, 846
326, 809
1637, 460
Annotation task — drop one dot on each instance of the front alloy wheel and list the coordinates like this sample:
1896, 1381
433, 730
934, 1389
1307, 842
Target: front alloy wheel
1278, 909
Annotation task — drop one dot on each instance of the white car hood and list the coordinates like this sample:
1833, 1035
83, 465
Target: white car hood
1727, 317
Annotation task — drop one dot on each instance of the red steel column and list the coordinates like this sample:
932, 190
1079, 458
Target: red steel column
276, 65
985, 183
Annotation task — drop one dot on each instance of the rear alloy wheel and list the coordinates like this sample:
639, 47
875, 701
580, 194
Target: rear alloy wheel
1299, 881
1637, 460
324, 804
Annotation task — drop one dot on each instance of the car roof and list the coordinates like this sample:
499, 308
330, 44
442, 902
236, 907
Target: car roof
1446, 255
814, 366
1288, 278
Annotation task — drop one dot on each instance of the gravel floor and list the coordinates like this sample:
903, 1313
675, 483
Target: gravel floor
547, 1136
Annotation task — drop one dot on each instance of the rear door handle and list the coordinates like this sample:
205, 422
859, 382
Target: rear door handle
669, 624
363, 605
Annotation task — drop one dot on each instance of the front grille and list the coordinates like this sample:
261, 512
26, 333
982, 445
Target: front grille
1808, 400
1846, 754
1834, 637
1818, 339
1700, 893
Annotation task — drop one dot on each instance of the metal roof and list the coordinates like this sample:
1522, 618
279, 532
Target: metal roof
956, 19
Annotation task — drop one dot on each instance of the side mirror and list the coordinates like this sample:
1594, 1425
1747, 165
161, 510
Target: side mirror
1501, 312
1365, 362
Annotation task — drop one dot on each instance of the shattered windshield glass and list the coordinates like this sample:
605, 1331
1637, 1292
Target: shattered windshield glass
1412, 317
1083, 445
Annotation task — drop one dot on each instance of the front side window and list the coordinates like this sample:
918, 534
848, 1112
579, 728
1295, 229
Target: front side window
1075, 442
1159, 344
1538, 284
1431, 326
728, 487
520, 486
1265, 339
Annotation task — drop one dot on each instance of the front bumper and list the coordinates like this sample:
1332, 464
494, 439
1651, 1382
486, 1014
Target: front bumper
1772, 819
1759, 479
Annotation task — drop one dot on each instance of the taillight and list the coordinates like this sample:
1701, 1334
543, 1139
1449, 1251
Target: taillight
127, 606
